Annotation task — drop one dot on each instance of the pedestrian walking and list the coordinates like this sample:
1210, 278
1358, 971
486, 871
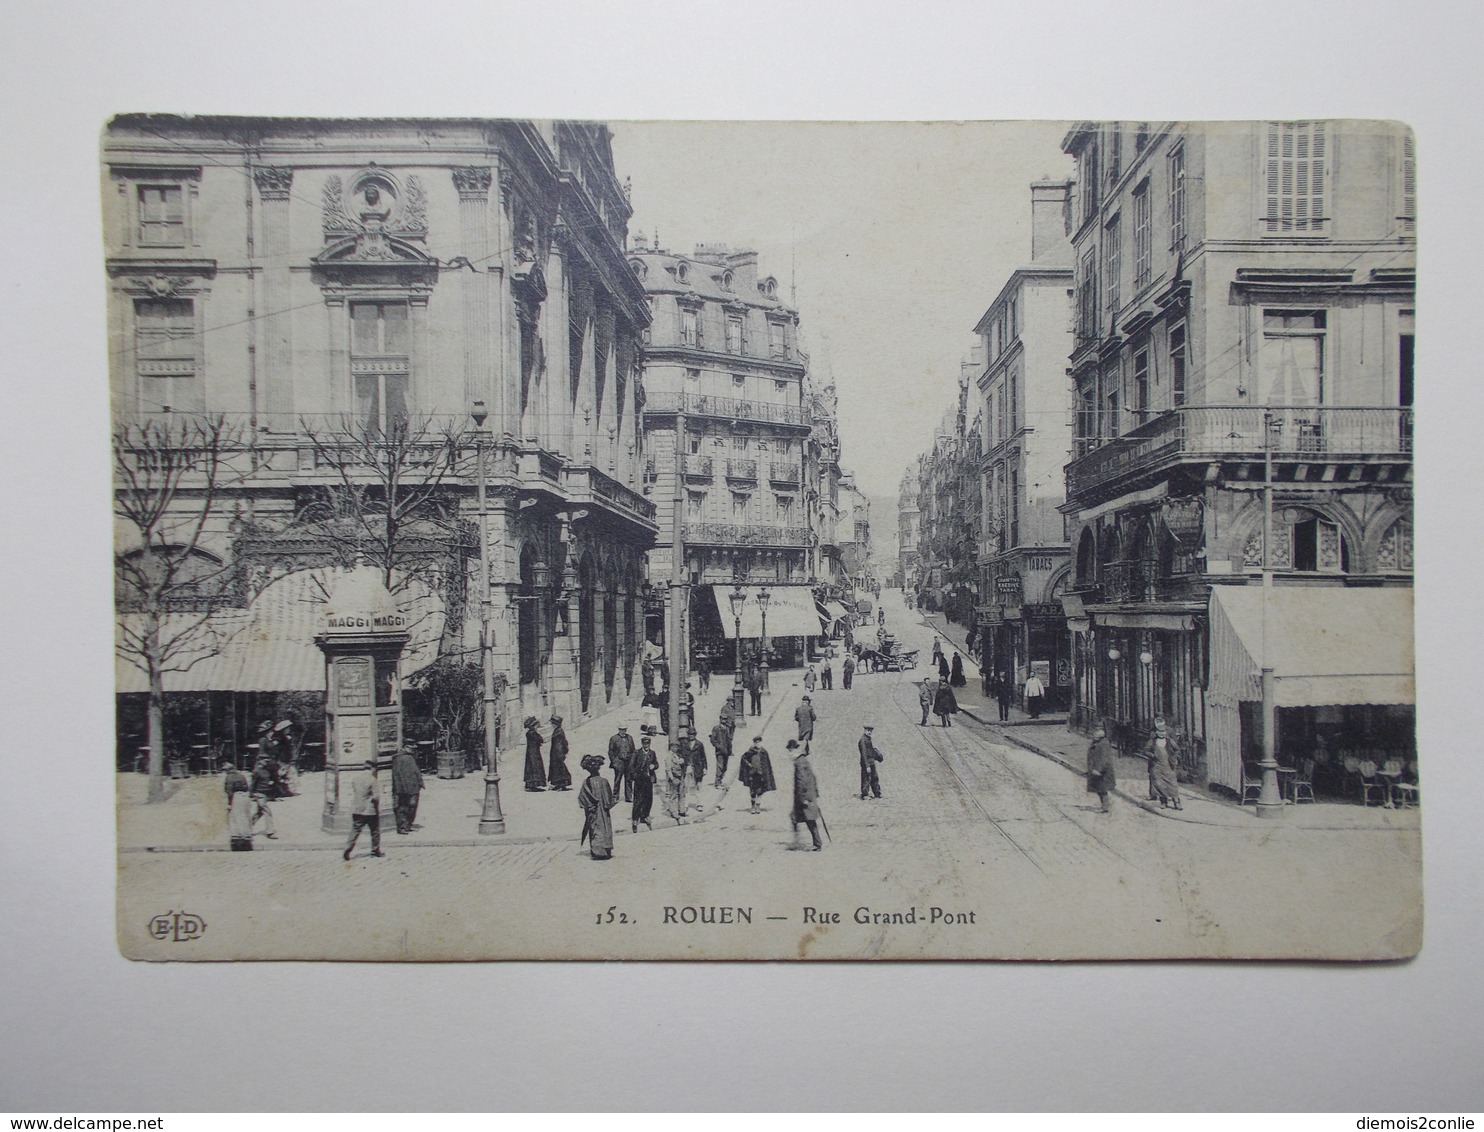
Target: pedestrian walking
558, 776
597, 801
721, 747
677, 784
806, 795
754, 690
620, 751
1164, 784
1101, 763
703, 674
810, 679
264, 787
956, 672
695, 754
847, 672
407, 785
937, 652
1035, 695
945, 704
943, 670
365, 810
925, 693
644, 765
870, 755
755, 771
535, 771
804, 717
239, 809
826, 677
1004, 692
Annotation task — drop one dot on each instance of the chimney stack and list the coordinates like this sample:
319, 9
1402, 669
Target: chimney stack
1049, 242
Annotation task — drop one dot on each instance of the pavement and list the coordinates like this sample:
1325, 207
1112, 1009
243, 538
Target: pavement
1051, 737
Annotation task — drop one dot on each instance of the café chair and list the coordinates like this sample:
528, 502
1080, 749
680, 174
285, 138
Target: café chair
1251, 785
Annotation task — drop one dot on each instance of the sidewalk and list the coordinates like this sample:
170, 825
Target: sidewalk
195, 815
1050, 737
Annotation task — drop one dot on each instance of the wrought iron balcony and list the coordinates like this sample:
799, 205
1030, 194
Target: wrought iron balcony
725, 408
744, 534
697, 467
744, 471
1318, 432
783, 471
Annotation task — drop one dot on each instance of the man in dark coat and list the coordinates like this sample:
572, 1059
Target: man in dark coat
945, 703
407, 784
535, 771
644, 767
870, 756
806, 795
694, 753
1101, 763
804, 717
925, 700
826, 677
264, 788
1004, 692
620, 751
755, 771
703, 674
754, 685
721, 747
847, 672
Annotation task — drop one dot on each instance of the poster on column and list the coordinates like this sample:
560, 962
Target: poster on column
1159, 373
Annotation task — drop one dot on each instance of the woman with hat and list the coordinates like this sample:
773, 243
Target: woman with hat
560, 777
596, 799
945, 703
535, 773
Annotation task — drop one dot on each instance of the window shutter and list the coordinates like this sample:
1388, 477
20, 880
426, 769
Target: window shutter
1409, 184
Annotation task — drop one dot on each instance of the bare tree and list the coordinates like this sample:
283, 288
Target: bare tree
389, 505
169, 475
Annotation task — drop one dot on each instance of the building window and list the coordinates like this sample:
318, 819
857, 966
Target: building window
734, 335
162, 218
1291, 365
695, 444
739, 444
1087, 181
167, 356
738, 381
1012, 395
1177, 199
379, 363
695, 505
1319, 546
1142, 237
1014, 318
1408, 218
784, 505
1087, 296
690, 328
1295, 179
1139, 399
777, 342
1177, 365
739, 507
1112, 263
1115, 153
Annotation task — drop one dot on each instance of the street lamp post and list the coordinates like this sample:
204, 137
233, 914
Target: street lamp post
762, 604
738, 599
491, 819
1270, 797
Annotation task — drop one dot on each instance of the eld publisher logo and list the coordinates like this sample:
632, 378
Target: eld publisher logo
177, 927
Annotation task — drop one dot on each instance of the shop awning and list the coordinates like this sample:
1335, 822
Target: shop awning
1171, 622
270, 647
791, 612
835, 611
1327, 645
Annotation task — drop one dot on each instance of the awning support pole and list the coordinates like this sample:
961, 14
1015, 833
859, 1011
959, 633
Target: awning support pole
1270, 798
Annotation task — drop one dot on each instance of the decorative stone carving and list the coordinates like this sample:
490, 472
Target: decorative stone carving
1282, 548
1395, 552
473, 182
336, 220
274, 182
415, 209
161, 286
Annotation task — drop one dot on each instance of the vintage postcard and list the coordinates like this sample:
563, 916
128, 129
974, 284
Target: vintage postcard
757, 541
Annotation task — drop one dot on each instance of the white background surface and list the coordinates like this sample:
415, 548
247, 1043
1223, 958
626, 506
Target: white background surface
86, 1031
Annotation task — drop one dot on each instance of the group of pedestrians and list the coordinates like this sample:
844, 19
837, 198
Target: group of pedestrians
555, 775
936, 697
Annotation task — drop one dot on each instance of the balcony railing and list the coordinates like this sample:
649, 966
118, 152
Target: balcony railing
742, 470
726, 408
1293, 432
697, 467
782, 471
745, 534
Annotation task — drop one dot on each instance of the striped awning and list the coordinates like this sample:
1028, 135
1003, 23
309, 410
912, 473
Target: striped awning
791, 612
270, 647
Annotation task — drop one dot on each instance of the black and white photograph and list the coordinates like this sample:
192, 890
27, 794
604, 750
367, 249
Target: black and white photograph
541, 538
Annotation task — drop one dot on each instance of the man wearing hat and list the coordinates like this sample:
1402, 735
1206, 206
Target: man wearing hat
756, 771
365, 811
870, 756
620, 756
1101, 761
644, 767
694, 753
806, 794
804, 717
721, 747
407, 784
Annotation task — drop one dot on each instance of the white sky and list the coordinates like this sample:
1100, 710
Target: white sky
900, 233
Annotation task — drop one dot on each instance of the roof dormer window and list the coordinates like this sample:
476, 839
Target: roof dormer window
682, 271
726, 280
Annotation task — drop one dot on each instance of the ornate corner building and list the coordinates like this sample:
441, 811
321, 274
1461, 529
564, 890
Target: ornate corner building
311, 280
1244, 303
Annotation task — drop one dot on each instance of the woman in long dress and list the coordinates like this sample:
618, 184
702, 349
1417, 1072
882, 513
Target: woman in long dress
560, 777
596, 799
956, 676
1162, 775
535, 772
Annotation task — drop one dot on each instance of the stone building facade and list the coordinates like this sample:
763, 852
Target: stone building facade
317, 280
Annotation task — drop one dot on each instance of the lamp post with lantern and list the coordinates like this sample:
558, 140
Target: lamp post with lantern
738, 599
762, 604
491, 818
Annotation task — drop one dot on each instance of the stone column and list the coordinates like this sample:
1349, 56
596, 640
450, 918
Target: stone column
473, 185
556, 312
276, 378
